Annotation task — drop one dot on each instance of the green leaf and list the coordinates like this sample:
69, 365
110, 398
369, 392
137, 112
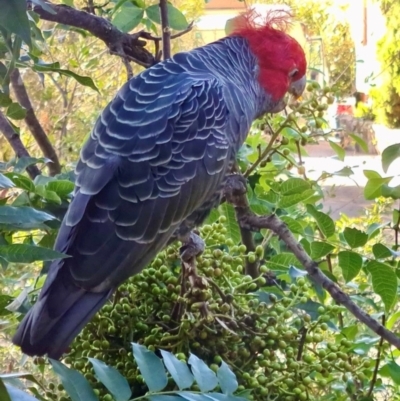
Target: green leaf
231, 224
151, 367
178, 370
324, 222
394, 371
380, 251
26, 161
16, 394
176, 19
77, 387
5, 182
338, 150
291, 200
205, 377
373, 187
371, 174
320, 249
392, 320
5, 300
227, 379
23, 253
46, 6
350, 263
62, 188
5, 99
390, 192
83, 80
294, 186
389, 155
13, 17
128, 17
115, 383
384, 282
4, 396
16, 111
294, 225
360, 142
354, 237
48, 195
23, 218
21, 181
282, 261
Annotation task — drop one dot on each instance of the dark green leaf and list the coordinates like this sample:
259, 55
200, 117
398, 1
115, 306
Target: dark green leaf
390, 154
22, 253
350, 263
77, 387
86, 81
324, 222
26, 161
16, 111
115, 383
354, 237
48, 195
5, 300
5, 182
178, 370
205, 377
311, 308
151, 367
390, 192
13, 17
23, 218
227, 379
294, 186
127, 17
338, 150
380, 251
62, 188
320, 249
394, 371
5, 99
350, 332
21, 181
384, 282
4, 395
176, 19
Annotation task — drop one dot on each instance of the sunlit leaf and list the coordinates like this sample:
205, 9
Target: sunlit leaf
350, 263
324, 222
320, 249
23, 253
354, 237
384, 282
176, 19
389, 155
127, 17
338, 150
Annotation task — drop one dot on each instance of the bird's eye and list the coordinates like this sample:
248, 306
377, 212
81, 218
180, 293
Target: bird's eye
293, 73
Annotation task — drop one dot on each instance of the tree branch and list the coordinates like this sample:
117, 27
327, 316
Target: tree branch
33, 123
123, 44
166, 30
15, 141
248, 220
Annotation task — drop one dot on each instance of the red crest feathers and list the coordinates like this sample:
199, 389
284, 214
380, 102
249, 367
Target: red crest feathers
277, 52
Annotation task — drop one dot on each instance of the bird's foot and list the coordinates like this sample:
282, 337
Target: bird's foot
193, 246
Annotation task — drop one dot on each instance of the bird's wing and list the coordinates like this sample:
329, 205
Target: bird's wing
157, 153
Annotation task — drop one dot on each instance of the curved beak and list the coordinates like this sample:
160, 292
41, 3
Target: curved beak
297, 87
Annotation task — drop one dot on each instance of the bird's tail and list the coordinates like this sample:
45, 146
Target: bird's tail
57, 317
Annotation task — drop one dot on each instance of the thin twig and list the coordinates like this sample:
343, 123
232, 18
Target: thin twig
377, 362
166, 30
15, 141
33, 123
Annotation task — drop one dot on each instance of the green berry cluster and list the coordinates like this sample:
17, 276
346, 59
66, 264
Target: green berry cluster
274, 347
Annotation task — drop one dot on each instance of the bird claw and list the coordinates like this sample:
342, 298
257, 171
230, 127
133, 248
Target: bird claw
192, 247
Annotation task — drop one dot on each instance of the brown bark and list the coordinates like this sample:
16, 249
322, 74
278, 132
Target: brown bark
33, 123
15, 141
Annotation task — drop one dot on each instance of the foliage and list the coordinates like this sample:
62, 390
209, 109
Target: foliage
272, 335
387, 96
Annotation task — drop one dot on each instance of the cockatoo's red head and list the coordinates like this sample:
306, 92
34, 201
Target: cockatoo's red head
281, 59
